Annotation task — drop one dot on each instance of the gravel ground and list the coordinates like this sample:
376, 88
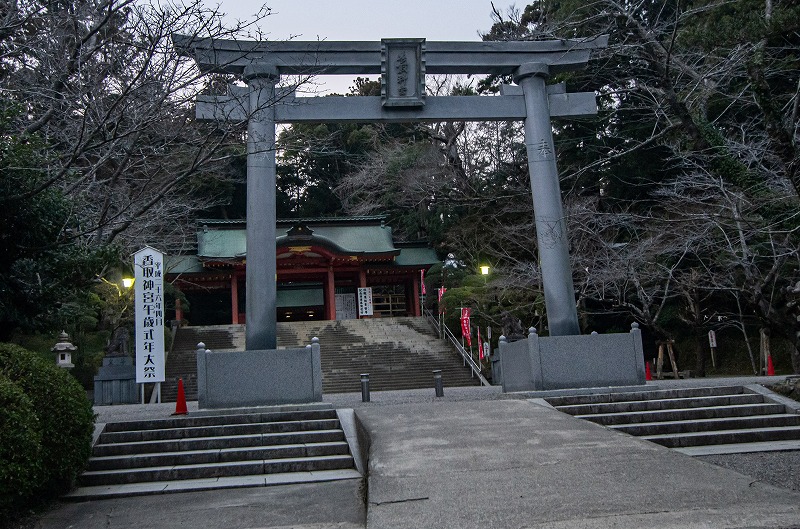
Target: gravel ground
781, 469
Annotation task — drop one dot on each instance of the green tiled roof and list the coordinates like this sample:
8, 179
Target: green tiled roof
416, 256
355, 239
227, 240
182, 264
306, 220
232, 243
221, 244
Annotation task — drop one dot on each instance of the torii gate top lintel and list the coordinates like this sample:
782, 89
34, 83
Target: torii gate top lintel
364, 57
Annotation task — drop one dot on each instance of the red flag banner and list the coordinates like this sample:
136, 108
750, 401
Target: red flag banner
441, 292
480, 344
422, 281
465, 328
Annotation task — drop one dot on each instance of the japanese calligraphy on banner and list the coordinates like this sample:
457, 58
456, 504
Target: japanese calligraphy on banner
365, 301
148, 266
465, 325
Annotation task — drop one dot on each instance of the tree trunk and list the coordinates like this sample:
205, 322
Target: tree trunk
701, 356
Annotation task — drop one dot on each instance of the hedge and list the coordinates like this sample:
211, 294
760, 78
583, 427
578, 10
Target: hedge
53, 423
20, 447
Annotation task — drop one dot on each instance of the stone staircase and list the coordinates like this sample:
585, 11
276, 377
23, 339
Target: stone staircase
398, 353
217, 451
694, 421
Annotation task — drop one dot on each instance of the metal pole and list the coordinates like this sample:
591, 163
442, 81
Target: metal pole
551, 229
437, 382
364, 387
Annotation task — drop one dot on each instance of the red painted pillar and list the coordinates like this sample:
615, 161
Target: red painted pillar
415, 288
178, 310
330, 296
234, 299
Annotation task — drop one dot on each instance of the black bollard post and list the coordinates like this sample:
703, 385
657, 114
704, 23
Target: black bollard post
437, 382
364, 387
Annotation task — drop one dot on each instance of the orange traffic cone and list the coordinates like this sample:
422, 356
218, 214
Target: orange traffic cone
770, 367
180, 403
647, 374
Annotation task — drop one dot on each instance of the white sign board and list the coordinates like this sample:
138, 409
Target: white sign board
712, 339
365, 301
148, 266
345, 306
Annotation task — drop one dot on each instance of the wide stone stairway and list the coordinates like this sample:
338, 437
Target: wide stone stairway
694, 421
398, 353
217, 451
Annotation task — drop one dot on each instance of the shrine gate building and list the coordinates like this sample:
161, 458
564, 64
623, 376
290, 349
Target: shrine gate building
321, 263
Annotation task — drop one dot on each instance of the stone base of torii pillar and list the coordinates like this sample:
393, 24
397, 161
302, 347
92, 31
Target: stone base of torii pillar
259, 377
565, 362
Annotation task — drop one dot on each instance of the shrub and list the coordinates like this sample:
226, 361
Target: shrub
63, 412
20, 448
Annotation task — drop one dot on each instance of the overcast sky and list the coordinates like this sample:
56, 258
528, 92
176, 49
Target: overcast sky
454, 20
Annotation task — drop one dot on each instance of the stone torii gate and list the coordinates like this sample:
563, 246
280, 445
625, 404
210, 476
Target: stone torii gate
402, 64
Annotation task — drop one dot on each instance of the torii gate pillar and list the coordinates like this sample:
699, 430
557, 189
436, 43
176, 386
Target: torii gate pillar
551, 229
261, 286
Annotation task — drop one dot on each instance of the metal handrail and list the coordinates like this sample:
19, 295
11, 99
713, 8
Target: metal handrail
468, 360
432, 321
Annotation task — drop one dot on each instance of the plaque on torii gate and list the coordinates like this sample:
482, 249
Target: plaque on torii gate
402, 64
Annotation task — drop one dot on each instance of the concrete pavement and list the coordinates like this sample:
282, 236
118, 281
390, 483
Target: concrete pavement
520, 464
475, 458
332, 505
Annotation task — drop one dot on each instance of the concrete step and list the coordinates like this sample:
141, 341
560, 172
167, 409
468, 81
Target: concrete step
644, 395
215, 420
222, 455
683, 414
709, 425
759, 435
208, 443
691, 417
740, 448
195, 485
215, 470
215, 446
217, 431
657, 404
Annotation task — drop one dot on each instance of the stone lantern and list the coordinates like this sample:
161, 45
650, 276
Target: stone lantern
63, 350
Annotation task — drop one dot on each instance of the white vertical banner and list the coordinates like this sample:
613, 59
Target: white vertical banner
148, 266
365, 301
712, 339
